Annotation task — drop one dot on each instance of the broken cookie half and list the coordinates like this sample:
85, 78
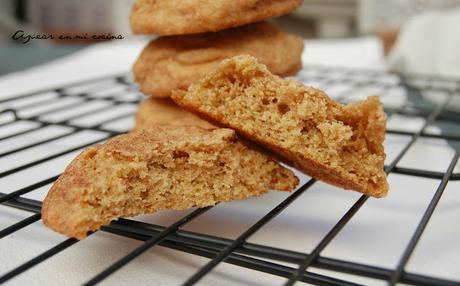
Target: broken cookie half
160, 168
339, 144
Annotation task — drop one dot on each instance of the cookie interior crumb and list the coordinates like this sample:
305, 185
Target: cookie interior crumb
158, 169
340, 144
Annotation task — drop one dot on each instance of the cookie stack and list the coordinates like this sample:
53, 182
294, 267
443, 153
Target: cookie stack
231, 77
195, 36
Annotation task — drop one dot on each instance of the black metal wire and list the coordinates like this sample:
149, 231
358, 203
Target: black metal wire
424, 221
143, 231
245, 235
146, 246
236, 251
326, 240
236, 259
38, 259
48, 158
140, 233
21, 224
27, 189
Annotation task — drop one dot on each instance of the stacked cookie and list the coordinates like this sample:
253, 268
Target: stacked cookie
195, 36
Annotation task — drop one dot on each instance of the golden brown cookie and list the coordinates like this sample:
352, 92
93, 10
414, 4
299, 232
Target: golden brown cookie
178, 17
161, 111
339, 144
169, 63
159, 168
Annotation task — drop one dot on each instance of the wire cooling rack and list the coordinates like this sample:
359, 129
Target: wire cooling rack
85, 113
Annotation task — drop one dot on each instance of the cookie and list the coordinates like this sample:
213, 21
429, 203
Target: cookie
156, 169
179, 17
339, 144
162, 111
169, 63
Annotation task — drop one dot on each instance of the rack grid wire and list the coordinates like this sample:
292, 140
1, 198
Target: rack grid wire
101, 105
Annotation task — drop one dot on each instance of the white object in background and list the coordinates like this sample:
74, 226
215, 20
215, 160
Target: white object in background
372, 15
429, 44
362, 52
